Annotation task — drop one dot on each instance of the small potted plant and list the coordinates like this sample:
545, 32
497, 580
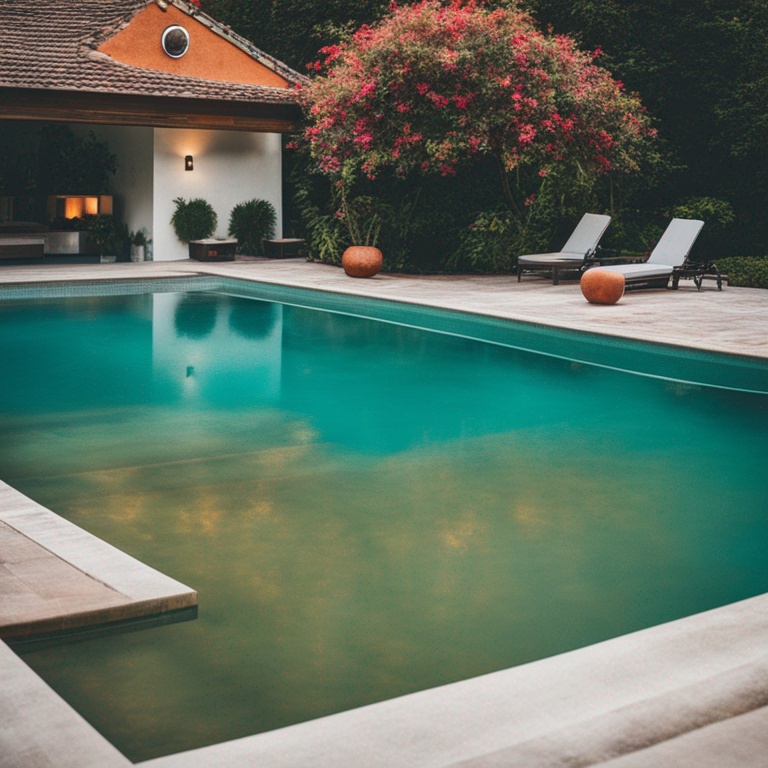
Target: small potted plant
194, 222
251, 223
139, 243
364, 217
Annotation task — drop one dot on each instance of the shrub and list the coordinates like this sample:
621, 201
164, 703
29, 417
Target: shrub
193, 220
313, 202
68, 163
106, 234
364, 217
433, 86
251, 222
139, 237
718, 218
488, 244
436, 92
745, 271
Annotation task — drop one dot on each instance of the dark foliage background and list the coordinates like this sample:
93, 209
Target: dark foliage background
698, 65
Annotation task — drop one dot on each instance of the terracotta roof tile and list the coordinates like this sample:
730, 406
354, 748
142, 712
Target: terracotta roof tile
52, 44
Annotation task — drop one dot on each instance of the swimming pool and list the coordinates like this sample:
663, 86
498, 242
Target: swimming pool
361, 515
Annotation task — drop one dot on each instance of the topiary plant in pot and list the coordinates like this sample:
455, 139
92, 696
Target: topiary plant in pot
193, 220
251, 223
139, 242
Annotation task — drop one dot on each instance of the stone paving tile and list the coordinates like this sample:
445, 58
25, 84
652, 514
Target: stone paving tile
14, 548
13, 590
40, 589
51, 578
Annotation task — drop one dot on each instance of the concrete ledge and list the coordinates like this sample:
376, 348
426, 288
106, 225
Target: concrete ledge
742, 742
39, 730
55, 576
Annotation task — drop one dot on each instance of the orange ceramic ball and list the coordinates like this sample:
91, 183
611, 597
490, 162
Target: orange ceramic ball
601, 286
361, 261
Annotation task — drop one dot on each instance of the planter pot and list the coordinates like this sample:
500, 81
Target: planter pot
361, 261
602, 287
137, 253
212, 249
285, 248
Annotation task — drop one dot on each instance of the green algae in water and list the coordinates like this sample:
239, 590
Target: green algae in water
365, 510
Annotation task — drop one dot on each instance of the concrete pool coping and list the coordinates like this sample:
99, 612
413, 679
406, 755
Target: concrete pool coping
691, 692
56, 577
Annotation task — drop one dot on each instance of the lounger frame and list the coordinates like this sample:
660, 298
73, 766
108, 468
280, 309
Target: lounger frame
578, 250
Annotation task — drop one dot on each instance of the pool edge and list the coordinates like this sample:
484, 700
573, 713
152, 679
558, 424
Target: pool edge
68, 578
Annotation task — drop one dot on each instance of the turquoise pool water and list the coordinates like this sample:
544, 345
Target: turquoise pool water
366, 509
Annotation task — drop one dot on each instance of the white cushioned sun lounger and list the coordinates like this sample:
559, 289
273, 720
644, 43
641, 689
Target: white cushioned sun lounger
580, 245
670, 252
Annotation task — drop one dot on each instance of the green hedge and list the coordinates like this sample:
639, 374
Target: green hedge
745, 271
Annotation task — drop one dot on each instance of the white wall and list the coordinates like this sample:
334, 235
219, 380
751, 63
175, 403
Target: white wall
230, 168
132, 183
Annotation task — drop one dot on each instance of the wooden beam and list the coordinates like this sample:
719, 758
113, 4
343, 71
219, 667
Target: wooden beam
152, 111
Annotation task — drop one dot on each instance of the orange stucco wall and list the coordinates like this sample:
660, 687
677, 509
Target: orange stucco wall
208, 56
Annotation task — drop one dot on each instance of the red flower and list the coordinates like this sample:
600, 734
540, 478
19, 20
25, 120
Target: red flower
467, 80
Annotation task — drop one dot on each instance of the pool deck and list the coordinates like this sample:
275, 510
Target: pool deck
692, 692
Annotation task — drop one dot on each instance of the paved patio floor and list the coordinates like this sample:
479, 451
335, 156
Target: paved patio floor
690, 693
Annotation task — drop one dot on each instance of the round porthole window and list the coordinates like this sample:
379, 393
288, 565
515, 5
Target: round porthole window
175, 41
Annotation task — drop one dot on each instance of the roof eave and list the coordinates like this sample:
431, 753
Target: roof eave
95, 108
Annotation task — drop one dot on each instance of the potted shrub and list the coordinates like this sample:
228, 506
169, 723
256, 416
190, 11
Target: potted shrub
106, 236
251, 223
139, 243
364, 217
196, 221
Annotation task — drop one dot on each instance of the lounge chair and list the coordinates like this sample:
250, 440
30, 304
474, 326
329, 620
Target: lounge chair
580, 246
667, 258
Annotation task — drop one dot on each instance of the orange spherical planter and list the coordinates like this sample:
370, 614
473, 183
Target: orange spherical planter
361, 261
602, 287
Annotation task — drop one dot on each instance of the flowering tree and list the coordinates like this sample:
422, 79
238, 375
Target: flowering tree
433, 85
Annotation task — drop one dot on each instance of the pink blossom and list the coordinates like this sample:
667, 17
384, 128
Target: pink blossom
468, 80
438, 100
331, 52
527, 134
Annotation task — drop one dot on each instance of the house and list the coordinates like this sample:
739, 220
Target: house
158, 81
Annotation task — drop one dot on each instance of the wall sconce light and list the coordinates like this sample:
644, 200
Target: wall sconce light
188, 163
